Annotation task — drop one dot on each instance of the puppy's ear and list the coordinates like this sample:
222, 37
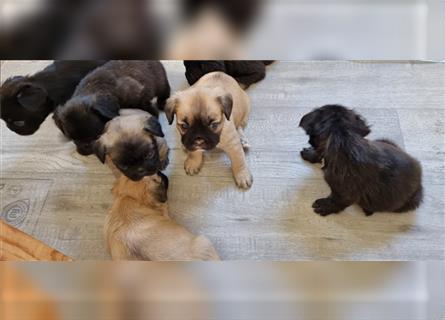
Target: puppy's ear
32, 97
170, 109
360, 126
100, 150
307, 121
226, 102
105, 106
153, 126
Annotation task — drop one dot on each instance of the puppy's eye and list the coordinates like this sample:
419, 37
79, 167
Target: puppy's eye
123, 167
150, 154
214, 125
184, 126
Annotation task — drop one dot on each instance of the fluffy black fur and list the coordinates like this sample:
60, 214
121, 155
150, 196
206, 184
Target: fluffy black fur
377, 175
100, 95
246, 72
26, 101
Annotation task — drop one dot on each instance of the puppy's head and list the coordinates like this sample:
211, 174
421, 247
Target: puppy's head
150, 190
82, 119
24, 105
134, 143
321, 122
200, 116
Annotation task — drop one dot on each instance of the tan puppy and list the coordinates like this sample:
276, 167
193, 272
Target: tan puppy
212, 114
138, 226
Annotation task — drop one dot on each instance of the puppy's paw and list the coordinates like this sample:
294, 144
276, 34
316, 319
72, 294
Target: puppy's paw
326, 206
203, 249
245, 144
243, 178
310, 154
192, 166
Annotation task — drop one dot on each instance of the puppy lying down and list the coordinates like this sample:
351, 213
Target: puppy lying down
138, 226
377, 175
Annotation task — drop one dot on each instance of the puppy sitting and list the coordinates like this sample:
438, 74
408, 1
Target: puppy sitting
138, 226
377, 175
246, 72
26, 101
213, 113
135, 144
100, 95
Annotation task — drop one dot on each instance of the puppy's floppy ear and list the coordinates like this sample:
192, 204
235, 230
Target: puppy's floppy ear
226, 102
307, 121
100, 150
32, 97
360, 126
153, 126
105, 106
170, 108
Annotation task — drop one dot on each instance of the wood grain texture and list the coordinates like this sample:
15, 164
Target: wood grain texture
403, 101
16, 245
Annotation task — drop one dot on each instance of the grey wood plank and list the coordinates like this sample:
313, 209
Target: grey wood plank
68, 195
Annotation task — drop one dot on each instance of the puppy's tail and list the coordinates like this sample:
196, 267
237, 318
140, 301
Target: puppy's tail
414, 202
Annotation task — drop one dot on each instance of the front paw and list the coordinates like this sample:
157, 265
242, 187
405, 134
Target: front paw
192, 166
326, 206
243, 179
311, 155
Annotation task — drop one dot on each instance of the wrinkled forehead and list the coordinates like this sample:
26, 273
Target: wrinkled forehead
129, 149
198, 107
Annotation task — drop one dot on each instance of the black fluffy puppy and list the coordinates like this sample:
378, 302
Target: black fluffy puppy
100, 95
377, 175
26, 101
246, 72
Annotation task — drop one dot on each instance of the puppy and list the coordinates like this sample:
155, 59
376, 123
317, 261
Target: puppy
135, 144
377, 175
138, 226
99, 97
26, 101
212, 114
246, 72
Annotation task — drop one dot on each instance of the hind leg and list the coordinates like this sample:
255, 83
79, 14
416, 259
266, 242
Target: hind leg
413, 202
332, 204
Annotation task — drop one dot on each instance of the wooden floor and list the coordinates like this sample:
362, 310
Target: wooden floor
61, 198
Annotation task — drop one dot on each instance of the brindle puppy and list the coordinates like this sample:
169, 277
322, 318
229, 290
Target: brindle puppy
100, 95
213, 114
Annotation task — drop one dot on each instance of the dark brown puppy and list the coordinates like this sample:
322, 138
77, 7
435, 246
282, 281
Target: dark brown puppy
377, 175
246, 72
99, 97
26, 101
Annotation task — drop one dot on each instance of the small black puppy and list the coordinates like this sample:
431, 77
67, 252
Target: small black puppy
26, 101
100, 95
377, 175
246, 72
